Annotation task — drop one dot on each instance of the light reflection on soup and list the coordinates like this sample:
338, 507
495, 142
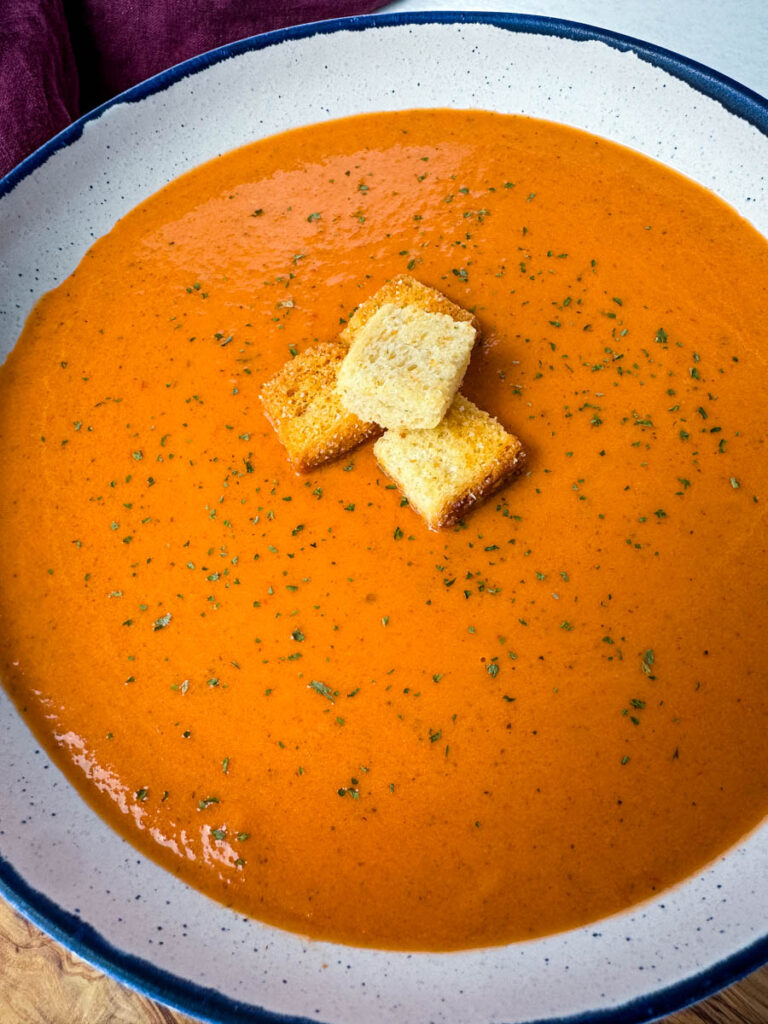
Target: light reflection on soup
286, 689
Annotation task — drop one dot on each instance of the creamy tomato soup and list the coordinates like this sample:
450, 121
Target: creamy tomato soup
285, 688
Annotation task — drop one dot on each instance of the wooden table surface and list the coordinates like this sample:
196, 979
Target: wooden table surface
43, 983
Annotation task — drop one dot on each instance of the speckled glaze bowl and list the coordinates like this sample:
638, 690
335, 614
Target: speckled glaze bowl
59, 863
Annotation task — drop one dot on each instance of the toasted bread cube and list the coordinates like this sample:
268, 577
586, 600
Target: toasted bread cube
445, 471
405, 290
303, 405
404, 366
409, 350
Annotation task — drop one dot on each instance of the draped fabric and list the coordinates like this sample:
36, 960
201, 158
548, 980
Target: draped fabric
60, 58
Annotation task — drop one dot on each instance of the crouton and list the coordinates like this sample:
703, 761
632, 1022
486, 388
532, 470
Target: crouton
409, 350
405, 365
445, 471
405, 290
303, 405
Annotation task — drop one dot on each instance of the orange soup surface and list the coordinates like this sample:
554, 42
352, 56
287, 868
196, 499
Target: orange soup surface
285, 688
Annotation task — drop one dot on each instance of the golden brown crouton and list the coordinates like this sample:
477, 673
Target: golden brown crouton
405, 365
445, 471
303, 405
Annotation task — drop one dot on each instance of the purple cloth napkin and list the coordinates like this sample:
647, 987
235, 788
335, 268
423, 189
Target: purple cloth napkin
38, 77
60, 58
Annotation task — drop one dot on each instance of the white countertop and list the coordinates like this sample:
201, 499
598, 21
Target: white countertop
730, 36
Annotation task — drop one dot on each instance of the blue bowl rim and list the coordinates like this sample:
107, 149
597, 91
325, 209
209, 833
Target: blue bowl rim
208, 1004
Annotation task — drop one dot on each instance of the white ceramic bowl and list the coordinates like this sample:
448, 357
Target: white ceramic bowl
60, 864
